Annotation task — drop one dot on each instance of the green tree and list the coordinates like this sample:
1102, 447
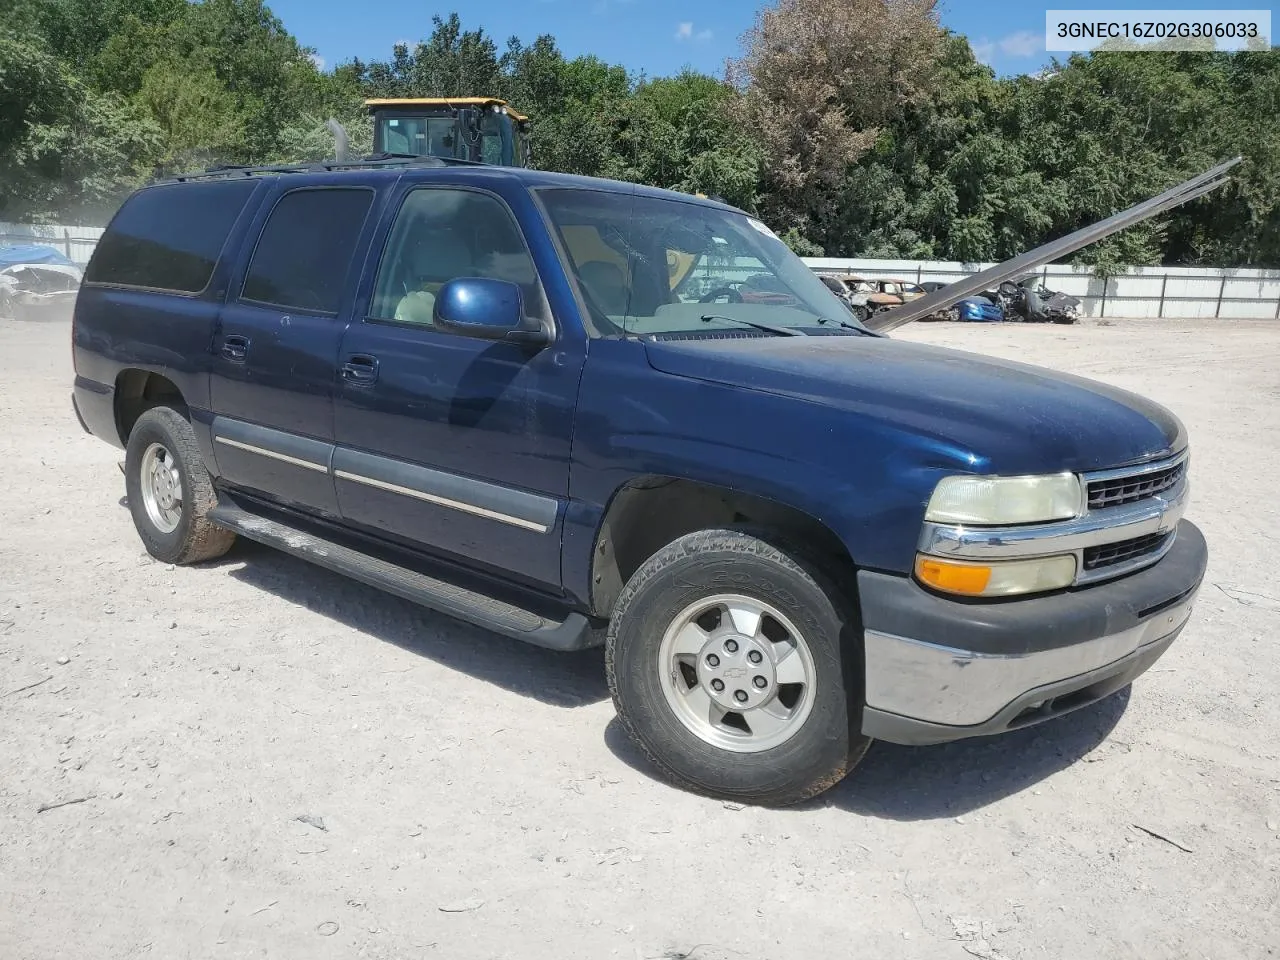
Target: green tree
818, 79
66, 152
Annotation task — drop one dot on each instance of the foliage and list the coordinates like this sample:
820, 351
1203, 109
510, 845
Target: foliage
854, 127
817, 79
63, 146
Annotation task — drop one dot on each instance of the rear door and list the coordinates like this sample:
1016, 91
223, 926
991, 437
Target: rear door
276, 346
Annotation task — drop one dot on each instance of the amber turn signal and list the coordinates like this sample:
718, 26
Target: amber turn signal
999, 578
967, 578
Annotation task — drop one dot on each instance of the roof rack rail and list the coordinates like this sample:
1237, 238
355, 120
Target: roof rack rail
372, 162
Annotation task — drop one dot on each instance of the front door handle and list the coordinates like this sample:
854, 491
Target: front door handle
361, 369
235, 348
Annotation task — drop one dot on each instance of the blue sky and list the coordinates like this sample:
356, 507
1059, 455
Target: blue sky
659, 36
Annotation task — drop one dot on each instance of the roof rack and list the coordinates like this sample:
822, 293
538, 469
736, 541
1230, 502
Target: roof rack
373, 162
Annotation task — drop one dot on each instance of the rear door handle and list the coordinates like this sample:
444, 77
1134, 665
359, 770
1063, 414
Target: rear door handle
360, 368
235, 348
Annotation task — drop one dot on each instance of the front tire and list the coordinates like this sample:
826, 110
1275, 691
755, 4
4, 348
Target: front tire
170, 492
737, 670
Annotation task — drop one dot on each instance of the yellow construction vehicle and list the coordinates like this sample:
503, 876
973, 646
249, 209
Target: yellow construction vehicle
479, 129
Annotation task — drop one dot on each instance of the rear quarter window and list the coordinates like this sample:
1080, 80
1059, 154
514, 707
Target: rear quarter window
169, 237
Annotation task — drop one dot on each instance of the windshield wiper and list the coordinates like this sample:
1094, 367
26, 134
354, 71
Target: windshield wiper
767, 328
841, 323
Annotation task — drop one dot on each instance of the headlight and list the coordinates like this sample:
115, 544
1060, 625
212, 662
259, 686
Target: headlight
998, 578
996, 501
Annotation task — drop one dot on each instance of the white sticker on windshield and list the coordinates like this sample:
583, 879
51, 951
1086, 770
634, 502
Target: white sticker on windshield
761, 227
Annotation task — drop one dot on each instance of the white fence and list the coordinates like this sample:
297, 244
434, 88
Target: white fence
76, 243
1181, 292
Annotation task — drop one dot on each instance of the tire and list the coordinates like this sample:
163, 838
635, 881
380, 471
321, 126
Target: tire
822, 740
162, 435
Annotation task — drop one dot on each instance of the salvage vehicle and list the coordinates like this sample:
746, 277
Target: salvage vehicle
37, 283
837, 286
1027, 299
974, 309
904, 290
487, 390
863, 296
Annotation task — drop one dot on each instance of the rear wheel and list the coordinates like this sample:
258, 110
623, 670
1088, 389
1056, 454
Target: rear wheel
170, 492
737, 669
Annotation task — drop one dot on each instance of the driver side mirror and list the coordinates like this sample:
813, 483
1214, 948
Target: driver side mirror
487, 310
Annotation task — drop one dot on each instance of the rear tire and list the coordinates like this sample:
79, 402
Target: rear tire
170, 492
725, 607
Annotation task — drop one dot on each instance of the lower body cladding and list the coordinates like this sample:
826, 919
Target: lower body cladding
940, 669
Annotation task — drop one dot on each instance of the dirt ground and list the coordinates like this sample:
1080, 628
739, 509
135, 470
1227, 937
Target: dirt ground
277, 762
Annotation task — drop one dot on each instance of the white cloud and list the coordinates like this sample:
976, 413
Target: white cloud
317, 60
1024, 43
1019, 45
684, 31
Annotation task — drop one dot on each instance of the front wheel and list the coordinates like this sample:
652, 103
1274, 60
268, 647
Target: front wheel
737, 669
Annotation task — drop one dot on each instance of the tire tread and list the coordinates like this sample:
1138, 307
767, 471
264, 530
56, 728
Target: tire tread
203, 540
763, 545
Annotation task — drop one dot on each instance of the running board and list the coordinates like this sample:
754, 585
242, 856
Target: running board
574, 633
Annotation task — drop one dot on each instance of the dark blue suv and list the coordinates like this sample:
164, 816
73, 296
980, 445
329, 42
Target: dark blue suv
582, 412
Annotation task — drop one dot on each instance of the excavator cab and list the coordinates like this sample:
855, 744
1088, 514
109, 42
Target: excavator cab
478, 129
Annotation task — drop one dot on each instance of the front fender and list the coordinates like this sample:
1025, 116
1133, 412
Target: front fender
865, 480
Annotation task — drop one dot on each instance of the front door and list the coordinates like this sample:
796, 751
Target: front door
276, 347
451, 444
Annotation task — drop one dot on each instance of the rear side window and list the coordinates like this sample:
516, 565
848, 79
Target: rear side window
304, 254
169, 237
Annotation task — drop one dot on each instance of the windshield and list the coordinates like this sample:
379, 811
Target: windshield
649, 265
421, 136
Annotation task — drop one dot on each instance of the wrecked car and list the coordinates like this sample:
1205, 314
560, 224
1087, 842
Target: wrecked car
1027, 299
37, 283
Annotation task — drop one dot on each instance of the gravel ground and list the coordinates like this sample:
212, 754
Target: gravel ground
275, 761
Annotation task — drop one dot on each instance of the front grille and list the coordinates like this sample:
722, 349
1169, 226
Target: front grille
1111, 554
1131, 489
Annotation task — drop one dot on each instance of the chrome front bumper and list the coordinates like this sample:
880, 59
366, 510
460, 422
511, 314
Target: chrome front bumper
940, 669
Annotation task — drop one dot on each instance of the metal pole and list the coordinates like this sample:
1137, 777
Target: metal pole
66, 243
1054, 250
1102, 307
1222, 287
1164, 285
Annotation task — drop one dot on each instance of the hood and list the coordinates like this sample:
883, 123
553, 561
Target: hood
1010, 417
